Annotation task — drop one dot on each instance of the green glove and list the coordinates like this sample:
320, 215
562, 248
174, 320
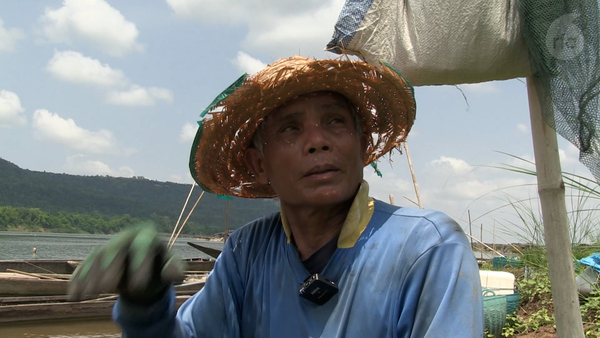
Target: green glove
135, 263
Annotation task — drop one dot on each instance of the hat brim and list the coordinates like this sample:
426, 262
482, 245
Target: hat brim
382, 98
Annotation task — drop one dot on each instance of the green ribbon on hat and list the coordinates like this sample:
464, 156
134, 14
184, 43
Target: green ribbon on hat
400, 74
374, 165
224, 94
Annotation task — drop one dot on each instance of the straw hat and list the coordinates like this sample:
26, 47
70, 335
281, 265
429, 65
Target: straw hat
383, 100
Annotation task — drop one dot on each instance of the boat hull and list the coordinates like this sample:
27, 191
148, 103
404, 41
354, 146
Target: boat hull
57, 309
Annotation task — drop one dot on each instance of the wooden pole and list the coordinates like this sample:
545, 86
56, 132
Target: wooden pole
494, 234
226, 221
414, 177
485, 245
181, 214
481, 237
551, 190
471, 229
174, 239
35, 275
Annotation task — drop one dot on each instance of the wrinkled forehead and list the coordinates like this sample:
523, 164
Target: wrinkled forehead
330, 98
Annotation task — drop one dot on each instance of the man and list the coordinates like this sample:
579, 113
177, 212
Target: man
334, 262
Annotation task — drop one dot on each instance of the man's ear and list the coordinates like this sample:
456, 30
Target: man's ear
254, 161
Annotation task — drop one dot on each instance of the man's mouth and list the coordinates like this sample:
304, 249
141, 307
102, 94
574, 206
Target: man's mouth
322, 169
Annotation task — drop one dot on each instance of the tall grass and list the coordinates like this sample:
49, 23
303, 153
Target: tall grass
583, 206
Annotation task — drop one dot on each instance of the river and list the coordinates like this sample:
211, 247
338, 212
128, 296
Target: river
20, 245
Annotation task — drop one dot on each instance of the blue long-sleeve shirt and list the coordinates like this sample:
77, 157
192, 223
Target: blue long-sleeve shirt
410, 273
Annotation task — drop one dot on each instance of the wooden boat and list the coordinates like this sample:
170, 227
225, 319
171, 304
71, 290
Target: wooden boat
57, 308
214, 253
47, 278
28, 284
54, 266
20, 285
63, 266
22, 309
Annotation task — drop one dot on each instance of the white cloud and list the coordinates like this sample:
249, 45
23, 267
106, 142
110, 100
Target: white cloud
248, 64
51, 127
451, 165
202, 9
294, 30
523, 128
92, 21
74, 67
162, 94
242, 11
79, 165
188, 132
125, 171
456, 180
9, 37
11, 110
454, 187
273, 25
139, 96
569, 159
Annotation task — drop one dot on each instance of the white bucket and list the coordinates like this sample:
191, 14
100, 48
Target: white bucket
502, 282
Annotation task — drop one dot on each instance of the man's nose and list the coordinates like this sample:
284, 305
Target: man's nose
317, 139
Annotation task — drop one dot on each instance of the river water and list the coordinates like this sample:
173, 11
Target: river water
19, 245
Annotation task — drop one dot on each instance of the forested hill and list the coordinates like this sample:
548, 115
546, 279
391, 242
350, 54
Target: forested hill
137, 198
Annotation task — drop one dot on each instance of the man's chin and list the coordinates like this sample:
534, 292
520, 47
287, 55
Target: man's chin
329, 197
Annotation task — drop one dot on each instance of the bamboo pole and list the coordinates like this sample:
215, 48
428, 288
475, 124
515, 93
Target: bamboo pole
471, 229
181, 214
35, 275
481, 237
414, 177
185, 221
551, 190
226, 234
485, 245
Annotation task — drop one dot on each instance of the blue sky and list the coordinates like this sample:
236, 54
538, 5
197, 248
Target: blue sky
95, 87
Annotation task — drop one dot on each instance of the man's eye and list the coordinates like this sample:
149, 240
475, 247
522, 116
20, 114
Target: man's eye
289, 127
337, 120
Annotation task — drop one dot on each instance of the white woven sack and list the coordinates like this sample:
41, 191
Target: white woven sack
435, 42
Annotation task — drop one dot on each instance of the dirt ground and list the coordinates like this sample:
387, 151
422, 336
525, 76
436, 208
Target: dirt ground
543, 332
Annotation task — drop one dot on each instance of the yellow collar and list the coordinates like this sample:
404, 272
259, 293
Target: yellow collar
356, 221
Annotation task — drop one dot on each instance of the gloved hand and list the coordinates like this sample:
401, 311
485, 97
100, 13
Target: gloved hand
135, 263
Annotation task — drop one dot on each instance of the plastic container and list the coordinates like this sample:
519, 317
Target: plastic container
502, 282
494, 312
502, 262
512, 302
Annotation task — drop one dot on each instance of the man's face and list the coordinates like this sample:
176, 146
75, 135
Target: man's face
312, 153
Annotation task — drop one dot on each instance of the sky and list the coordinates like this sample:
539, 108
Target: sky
97, 87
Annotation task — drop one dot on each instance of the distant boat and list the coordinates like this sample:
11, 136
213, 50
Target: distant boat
214, 253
